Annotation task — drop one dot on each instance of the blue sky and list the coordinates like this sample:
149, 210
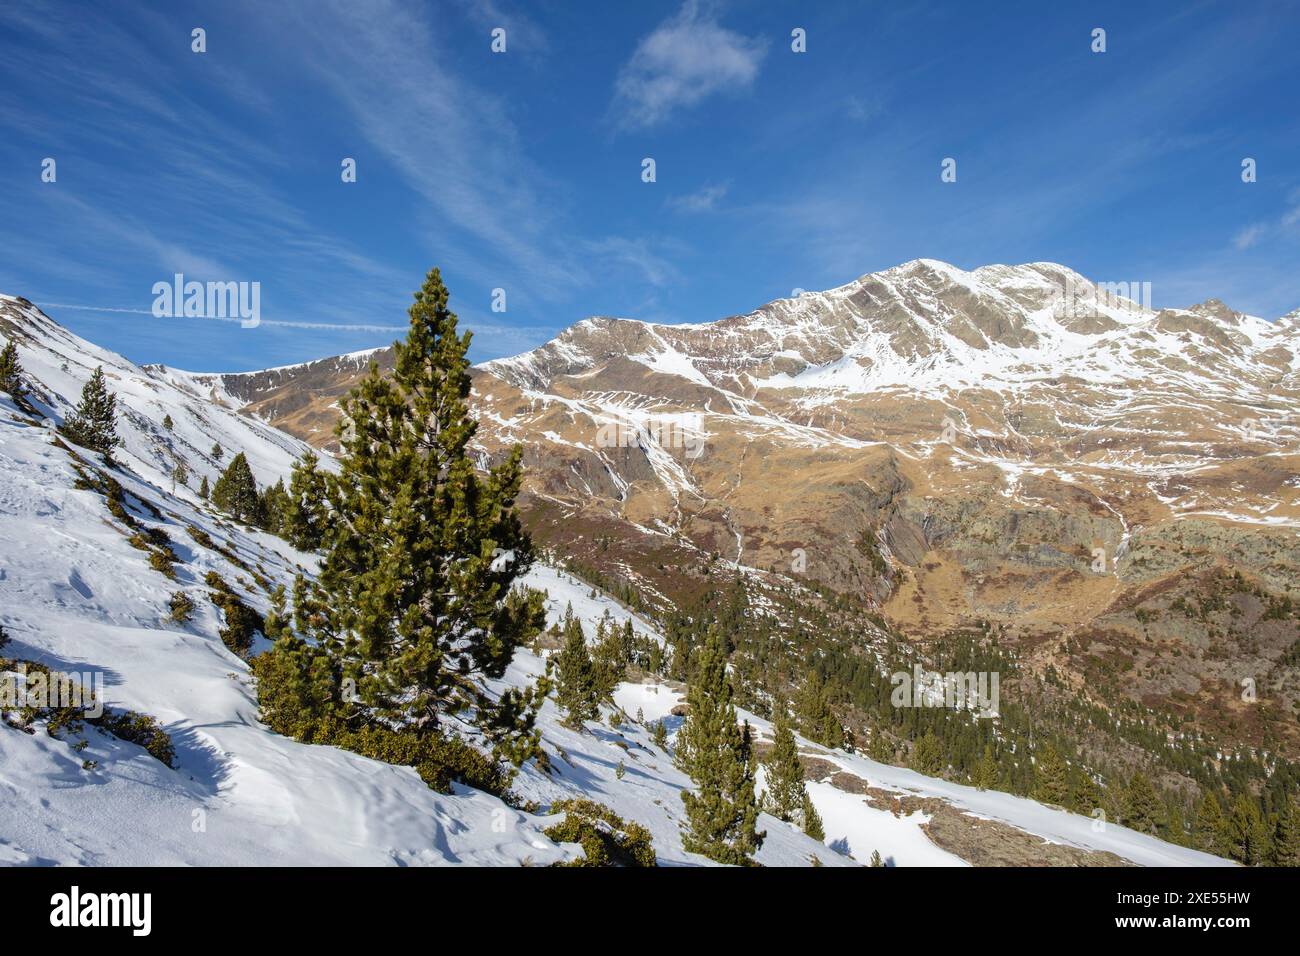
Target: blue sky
775, 170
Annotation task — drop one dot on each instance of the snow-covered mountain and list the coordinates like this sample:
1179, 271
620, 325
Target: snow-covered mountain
79, 593
1012, 444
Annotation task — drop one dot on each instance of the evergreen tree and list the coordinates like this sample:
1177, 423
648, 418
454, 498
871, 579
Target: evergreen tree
985, 774
236, 492
412, 597
575, 687
1211, 833
1143, 810
273, 506
786, 790
1051, 780
812, 821
1249, 836
817, 720
93, 424
217, 451
609, 660
1085, 795
927, 755
180, 474
204, 490
168, 423
11, 372
1175, 827
304, 517
722, 813
875, 858
1286, 835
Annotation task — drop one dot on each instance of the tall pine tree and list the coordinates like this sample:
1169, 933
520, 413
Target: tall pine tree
412, 594
236, 492
722, 812
783, 774
93, 424
11, 372
304, 517
576, 683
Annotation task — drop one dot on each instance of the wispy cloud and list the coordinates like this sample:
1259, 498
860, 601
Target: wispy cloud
704, 199
687, 58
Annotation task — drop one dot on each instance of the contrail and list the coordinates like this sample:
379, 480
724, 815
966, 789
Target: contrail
217, 318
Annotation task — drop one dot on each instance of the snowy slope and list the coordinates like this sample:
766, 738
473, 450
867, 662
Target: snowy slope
58, 364
76, 596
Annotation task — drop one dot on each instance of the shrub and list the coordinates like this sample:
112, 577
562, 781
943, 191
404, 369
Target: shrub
242, 622
182, 607
605, 838
140, 729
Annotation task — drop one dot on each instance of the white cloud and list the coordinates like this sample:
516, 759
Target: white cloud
684, 60
1249, 236
704, 199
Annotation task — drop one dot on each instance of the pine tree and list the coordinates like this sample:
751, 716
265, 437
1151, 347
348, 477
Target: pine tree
412, 597
1286, 835
217, 451
1085, 795
722, 813
180, 474
575, 686
236, 492
205, 491
11, 372
812, 821
609, 660
817, 720
168, 423
304, 518
927, 755
985, 774
784, 773
875, 858
1143, 810
1211, 832
273, 505
1051, 779
1175, 826
1249, 836
93, 424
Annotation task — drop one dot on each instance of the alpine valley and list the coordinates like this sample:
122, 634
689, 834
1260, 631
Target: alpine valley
1010, 471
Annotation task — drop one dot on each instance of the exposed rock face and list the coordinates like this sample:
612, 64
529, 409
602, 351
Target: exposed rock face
1013, 443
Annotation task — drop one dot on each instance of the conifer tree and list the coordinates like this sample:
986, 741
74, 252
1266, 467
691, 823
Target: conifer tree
93, 424
1051, 779
817, 720
927, 755
304, 518
783, 775
180, 474
1286, 835
11, 372
217, 451
412, 597
1211, 832
609, 659
985, 774
168, 423
205, 491
875, 858
273, 505
236, 492
1249, 836
812, 821
576, 690
722, 813
1085, 796
1143, 810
